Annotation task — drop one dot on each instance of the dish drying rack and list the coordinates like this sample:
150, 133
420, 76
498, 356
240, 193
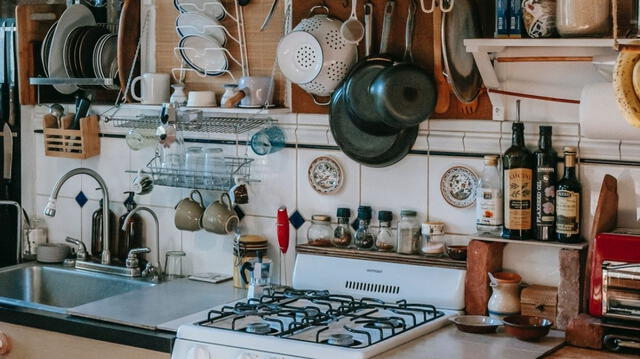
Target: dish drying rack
195, 121
236, 169
179, 73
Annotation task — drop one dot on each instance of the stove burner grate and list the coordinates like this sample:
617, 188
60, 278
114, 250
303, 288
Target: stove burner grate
259, 328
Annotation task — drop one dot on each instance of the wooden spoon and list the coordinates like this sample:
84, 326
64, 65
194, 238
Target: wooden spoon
443, 102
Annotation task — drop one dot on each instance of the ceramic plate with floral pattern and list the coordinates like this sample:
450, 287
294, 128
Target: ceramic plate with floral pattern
458, 186
325, 175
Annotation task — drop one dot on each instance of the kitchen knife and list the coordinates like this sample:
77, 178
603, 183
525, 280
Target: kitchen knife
7, 144
81, 112
282, 224
2, 71
11, 69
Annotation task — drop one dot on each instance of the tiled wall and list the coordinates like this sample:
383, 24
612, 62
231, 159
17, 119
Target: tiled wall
412, 183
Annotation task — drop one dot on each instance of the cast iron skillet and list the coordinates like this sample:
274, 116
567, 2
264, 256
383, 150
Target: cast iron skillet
405, 94
369, 150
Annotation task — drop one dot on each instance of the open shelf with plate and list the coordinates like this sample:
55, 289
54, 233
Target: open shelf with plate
555, 244
392, 257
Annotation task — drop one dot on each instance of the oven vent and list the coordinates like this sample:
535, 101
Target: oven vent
372, 287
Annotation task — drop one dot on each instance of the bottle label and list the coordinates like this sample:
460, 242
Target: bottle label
517, 199
568, 209
489, 207
545, 196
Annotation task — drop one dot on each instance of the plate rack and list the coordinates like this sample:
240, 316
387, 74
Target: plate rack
179, 73
234, 170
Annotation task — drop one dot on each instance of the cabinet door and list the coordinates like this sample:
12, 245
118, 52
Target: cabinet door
31, 343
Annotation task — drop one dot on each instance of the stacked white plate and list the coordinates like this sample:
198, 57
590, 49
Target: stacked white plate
202, 37
105, 63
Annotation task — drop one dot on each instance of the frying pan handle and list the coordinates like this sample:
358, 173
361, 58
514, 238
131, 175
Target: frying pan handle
319, 103
408, 35
386, 25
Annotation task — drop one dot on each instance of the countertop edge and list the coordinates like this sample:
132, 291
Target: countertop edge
160, 341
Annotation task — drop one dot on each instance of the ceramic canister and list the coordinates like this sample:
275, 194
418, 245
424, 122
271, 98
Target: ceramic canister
505, 299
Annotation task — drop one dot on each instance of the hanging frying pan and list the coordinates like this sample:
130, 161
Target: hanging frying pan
405, 94
362, 147
462, 73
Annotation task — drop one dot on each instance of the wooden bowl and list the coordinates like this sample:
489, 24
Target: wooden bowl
527, 327
457, 252
477, 324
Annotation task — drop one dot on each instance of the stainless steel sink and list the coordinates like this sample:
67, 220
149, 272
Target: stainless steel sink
57, 288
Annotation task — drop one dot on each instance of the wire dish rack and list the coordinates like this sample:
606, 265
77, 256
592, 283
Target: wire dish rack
233, 170
195, 122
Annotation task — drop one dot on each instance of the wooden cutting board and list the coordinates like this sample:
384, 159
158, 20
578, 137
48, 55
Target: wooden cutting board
604, 220
128, 38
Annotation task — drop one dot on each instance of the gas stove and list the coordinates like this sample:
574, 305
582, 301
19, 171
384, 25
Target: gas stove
354, 309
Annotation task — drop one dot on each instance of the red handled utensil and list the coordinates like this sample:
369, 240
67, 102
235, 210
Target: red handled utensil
282, 224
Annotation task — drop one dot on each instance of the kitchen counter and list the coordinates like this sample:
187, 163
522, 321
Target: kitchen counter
449, 342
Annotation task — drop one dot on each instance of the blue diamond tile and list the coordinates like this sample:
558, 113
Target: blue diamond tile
81, 199
296, 220
239, 212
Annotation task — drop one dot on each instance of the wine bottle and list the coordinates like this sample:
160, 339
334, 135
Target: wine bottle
546, 160
568, 201
518, 187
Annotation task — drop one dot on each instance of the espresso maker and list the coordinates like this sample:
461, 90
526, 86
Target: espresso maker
259, 275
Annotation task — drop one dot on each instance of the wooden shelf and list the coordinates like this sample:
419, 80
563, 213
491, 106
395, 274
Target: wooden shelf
382, 256
497, 45
578, 246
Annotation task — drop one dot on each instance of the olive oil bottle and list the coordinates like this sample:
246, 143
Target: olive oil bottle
518, 187
568, 201
544, 188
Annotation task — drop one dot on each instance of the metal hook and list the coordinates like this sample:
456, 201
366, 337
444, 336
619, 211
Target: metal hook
432, 9
446, 9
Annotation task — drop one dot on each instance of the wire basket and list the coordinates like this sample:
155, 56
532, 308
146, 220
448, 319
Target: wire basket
234, 169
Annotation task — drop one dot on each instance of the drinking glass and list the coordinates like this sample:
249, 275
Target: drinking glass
193, 164
268, 140
173, 264
214, 166
171, 164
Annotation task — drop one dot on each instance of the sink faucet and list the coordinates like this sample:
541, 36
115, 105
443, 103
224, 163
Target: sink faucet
149, 270
18, 229
50, 209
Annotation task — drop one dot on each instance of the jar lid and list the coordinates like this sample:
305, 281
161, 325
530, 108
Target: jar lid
545, 130
408, 213
433, 228
364, 212
252, 239
385, 216
344, 212
321, 218
570, 149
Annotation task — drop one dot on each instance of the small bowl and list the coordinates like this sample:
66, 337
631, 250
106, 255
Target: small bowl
52, 252
527, 327
457, 252
477, 324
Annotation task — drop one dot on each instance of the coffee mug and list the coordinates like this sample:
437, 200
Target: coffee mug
220, 217
154, 88
239, 193
143, 183
258, 90
201, 99
189, 213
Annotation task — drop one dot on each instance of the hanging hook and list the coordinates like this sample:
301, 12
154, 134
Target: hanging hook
446, 9
432, 9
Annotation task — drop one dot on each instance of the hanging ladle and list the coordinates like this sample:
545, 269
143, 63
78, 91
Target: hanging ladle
352, 30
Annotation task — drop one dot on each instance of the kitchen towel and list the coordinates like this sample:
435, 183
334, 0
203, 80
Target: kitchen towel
600, 117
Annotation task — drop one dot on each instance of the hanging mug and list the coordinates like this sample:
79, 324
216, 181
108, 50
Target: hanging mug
189, 212
239, 193
220, 217
143, 183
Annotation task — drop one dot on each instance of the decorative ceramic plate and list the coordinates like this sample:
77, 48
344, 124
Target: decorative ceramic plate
458, 186
325, 175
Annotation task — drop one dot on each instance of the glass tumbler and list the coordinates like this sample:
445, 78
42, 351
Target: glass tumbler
214, 167
268, 140
173, 264
171, 167
193, 165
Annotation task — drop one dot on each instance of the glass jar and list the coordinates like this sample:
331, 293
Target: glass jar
432, 242
320, 232
364, 239
385, 240
408, 232
342, 234
583, 17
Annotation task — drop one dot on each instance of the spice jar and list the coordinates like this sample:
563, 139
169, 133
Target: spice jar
583, 17
342, 233
408, 232
432, 242
320, 232
364, 239
385, 240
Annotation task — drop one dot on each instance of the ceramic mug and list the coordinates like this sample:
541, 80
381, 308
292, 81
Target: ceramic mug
154, 88
220, 217
189, 213
239, 193
251, 92
143, 183
201, 99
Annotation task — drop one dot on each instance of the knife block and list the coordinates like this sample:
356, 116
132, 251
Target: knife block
68, 143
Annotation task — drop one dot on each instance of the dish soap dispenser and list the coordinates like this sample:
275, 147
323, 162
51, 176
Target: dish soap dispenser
131, 237
96, 231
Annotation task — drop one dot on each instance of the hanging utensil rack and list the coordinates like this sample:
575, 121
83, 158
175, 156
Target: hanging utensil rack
178, 73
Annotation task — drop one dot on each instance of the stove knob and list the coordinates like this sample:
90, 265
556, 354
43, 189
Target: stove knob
198, 352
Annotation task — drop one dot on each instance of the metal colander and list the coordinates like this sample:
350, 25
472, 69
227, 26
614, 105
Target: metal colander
315, 56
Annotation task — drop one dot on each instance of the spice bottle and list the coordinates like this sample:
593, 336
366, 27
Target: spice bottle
489, 199
342, 233
385, 240
432, 242
408, 232
320, 232
364, 239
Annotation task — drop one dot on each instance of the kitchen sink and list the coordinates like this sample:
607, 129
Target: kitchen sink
57, 288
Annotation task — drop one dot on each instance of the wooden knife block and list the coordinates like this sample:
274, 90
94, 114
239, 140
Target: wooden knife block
64, 142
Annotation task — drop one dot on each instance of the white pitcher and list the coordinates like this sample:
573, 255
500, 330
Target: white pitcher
505, 299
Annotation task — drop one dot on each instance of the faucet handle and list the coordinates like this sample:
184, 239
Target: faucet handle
81, 251
132, 257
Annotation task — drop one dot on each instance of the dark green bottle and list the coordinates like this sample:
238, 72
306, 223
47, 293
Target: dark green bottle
518, 187
544, 188
568, 201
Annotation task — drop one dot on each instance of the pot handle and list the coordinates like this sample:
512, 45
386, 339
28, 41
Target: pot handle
245, 266
318, 102
195, 191
325, 8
